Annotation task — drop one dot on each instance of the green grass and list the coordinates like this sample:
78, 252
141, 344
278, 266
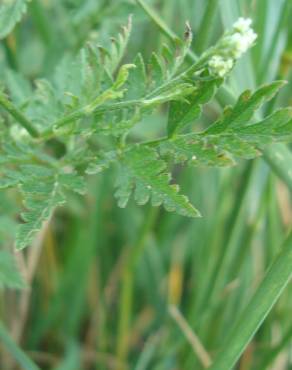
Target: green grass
106, 280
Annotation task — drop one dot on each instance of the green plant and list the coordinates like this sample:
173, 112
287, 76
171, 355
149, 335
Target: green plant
88, 98
85, 117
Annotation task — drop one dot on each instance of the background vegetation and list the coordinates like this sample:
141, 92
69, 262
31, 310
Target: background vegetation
142, 288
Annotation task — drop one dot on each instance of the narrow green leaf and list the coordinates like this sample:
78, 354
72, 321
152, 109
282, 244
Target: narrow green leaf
265, 297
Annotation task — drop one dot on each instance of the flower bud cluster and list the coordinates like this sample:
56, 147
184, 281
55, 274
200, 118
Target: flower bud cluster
19, 133
220, 66
232, 46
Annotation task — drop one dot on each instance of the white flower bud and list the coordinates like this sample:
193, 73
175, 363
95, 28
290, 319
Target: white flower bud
239, 43
220, 66
242, 25
231, 47
251, 36
18, 133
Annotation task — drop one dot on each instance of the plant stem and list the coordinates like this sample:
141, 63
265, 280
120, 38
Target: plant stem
191, 336
265, 297
84, 111
19, 116
158, 20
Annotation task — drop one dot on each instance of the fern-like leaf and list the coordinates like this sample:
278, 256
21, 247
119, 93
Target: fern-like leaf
40, 199
233, 135
92, 95
142, 172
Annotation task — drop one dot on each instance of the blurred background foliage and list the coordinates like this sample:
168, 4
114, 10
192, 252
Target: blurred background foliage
135, 288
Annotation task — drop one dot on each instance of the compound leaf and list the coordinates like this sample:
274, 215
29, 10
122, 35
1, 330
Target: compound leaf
143, 173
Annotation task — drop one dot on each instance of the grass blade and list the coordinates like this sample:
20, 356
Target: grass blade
279, 158
276, 279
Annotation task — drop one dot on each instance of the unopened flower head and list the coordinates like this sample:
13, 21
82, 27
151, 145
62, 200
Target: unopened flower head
242, 24
19, 133
243, 37
232, 46
239, 43
220, 66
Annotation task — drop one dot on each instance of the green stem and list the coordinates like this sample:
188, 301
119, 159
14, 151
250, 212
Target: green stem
18, 115
265, 297
85, 111
206, 25
158, 20
23, 360
164, 28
